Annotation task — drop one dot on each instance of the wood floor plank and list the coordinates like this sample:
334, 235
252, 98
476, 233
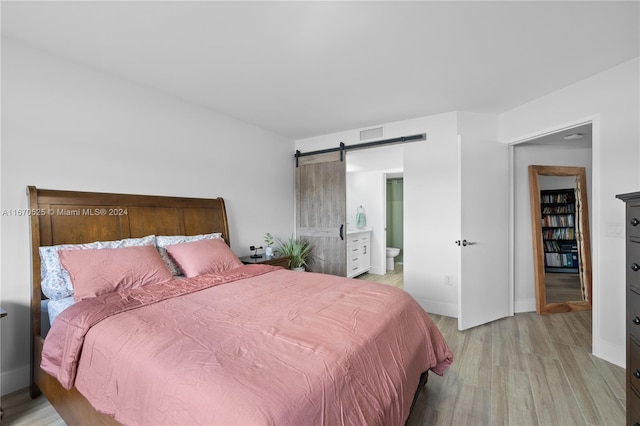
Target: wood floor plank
511, 400
560, 331
597, 401
534, 334
475, 367
508, 348
555, 402
614, 376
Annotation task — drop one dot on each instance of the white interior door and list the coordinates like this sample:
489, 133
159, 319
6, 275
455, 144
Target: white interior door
484, 292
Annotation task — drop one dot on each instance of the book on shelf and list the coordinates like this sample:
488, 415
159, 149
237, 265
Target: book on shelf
559, 234
561, 260
559, 198
558, 220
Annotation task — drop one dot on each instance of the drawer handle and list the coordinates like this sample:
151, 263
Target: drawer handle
636, 320
635, 267
635, 222
636, 374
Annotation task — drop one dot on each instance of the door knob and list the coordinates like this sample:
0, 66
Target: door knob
467, 243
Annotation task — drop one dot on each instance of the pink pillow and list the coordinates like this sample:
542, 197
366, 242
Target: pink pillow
203, 257
100, 271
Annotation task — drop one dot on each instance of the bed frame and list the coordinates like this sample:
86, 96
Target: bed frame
70, 217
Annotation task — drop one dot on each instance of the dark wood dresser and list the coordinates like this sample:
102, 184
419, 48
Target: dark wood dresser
632, 264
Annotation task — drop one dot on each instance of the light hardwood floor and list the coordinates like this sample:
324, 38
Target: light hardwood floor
523, 370
527, 369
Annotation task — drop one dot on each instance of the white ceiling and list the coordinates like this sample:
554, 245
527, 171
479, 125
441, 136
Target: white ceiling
308, 68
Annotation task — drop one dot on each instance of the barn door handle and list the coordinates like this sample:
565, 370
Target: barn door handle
457, 242
342, 231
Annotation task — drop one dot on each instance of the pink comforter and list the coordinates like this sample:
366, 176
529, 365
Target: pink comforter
255, 345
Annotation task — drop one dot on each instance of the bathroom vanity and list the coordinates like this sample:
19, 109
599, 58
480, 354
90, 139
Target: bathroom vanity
358, 252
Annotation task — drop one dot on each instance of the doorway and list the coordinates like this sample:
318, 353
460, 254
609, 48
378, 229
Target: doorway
367, 173
571, 146
395, 215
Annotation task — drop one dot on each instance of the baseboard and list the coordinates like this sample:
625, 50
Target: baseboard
526, 305
438, 308
11, 381
614, 354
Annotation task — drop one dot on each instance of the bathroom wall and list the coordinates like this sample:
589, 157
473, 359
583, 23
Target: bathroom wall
395, 221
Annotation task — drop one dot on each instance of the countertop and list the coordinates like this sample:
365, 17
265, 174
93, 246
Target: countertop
357, 230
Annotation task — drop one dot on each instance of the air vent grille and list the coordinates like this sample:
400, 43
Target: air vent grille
376, 132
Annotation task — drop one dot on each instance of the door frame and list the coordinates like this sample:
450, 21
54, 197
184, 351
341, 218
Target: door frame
594, 208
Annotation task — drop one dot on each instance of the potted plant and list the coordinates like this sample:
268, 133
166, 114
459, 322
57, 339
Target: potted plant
268, 241
298, 252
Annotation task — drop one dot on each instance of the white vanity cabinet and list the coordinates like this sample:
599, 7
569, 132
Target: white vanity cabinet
358, 252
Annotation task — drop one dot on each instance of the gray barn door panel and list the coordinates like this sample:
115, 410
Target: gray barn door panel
321, 210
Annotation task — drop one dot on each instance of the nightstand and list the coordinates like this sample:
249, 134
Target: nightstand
273, 260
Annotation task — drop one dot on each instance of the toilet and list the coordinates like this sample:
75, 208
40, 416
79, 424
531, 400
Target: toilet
392, 252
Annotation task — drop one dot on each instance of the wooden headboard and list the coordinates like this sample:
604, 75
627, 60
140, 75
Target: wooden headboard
70, 217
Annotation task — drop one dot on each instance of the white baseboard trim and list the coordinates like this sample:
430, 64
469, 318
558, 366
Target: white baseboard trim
11, 381
526, 305
438, 308
614, 354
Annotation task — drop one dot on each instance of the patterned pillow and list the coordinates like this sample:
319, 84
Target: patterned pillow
55, 280
162, 241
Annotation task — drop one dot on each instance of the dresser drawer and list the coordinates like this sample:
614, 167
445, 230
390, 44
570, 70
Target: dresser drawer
633, 265
354, 240
633, 314
633, 406
634, 364
633, 216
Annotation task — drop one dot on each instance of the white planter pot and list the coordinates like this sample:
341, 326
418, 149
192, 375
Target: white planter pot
268, 251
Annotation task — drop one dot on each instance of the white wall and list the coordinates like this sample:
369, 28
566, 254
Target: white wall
68, 127
611, 100
525, 155
430, 200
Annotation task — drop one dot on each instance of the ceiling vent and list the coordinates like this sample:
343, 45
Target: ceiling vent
376, 132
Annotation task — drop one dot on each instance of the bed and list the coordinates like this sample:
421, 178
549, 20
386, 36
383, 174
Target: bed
239, 344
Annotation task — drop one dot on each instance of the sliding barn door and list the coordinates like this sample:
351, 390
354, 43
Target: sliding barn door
321, 210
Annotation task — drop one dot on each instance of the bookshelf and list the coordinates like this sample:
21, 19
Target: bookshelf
559, 230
